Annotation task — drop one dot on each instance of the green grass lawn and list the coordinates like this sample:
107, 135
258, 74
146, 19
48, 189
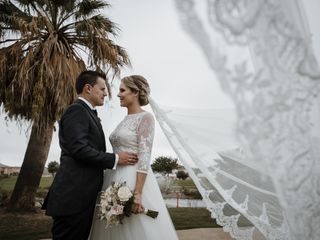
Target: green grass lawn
37, 225
46, 182
8, 183
184, 183
187, 218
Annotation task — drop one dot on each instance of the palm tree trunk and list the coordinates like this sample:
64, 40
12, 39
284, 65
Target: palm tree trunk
25, 189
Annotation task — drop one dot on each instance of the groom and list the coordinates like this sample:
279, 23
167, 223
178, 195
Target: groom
72, 197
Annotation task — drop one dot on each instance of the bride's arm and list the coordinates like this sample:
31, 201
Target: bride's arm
145, 141
141, 178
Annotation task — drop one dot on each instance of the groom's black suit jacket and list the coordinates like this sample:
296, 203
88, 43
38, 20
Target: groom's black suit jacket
83, 158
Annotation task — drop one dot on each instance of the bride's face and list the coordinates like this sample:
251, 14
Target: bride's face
127, 96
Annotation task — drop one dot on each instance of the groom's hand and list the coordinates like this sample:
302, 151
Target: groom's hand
126, 158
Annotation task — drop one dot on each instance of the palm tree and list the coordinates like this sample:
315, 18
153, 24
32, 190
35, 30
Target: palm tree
43, 44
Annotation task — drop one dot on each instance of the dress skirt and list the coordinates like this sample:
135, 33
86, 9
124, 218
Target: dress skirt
137, 226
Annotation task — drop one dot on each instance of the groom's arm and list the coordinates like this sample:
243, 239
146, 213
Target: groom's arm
75, 129
74, 139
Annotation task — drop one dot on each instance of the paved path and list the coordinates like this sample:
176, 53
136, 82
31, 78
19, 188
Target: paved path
200, 234
203, 234
210, 234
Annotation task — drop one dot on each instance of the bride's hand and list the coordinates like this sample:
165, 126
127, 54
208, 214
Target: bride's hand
137, 206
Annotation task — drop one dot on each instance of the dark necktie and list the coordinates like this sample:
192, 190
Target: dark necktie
95, 112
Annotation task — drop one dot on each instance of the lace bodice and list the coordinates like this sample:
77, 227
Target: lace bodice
135, 134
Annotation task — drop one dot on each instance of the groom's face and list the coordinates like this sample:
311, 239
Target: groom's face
98, 92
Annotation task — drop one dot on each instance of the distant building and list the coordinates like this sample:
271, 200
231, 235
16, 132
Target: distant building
7, 170
13, 171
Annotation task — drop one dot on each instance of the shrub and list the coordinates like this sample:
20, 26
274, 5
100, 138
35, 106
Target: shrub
53, 167
192, 193
164, 165
182, 175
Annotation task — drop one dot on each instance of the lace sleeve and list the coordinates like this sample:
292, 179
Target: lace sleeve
145, 141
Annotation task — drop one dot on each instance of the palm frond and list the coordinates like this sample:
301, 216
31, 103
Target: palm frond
106, 55
25, 2
67, 9
96, 26
88, 7
38, 71
42, 85
10, 14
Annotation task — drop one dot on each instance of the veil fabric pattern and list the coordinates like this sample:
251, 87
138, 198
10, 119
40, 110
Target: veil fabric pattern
261, 179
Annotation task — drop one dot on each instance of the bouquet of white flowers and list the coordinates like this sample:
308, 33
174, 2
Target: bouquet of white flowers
116, 203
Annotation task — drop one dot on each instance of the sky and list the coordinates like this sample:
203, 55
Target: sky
165, 55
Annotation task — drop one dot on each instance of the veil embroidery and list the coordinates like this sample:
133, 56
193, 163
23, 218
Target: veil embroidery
261, 179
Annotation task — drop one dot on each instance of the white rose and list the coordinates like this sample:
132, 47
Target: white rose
124, 194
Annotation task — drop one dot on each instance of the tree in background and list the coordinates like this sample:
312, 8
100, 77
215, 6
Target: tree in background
182, 175
42, 45
53, 167
164, 165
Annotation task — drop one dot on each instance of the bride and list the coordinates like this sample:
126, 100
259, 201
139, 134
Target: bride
135, 134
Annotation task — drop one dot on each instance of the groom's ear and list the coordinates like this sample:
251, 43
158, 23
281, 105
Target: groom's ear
87, 88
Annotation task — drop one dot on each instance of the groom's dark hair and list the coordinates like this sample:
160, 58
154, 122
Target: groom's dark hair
89, 77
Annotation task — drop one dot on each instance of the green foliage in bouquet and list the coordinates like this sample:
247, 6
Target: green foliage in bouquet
128, 207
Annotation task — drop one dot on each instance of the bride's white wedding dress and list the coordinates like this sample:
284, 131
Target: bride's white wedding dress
135, 134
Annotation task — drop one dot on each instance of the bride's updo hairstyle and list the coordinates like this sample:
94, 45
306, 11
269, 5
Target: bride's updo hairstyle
138, 84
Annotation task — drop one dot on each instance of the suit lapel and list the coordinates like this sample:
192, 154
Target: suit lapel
95, 119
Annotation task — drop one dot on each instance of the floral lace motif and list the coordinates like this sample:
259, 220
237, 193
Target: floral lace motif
135, 134
276, 98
